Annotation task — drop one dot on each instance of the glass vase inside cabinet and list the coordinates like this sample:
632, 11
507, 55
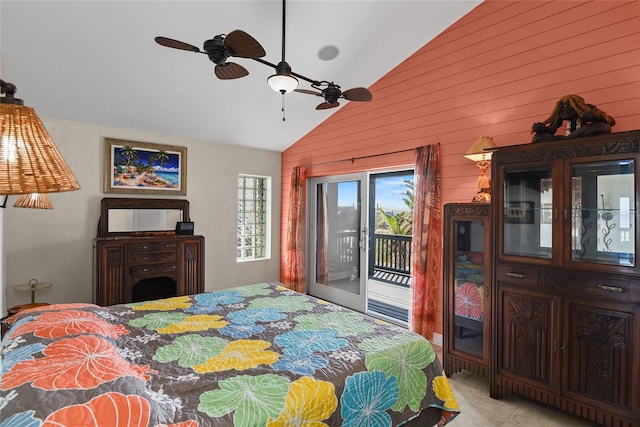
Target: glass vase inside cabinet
466, 292
528, 214
603, 215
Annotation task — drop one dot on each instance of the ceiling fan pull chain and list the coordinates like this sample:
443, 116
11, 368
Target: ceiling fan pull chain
283, 108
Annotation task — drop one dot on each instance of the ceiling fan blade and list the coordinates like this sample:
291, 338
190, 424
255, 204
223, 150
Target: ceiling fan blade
308, 92
360, 94
243, 45
230, 70
326, 105
176, 44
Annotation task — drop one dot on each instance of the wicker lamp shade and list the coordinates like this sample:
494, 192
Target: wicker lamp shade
29, 160
481, 149
34, 201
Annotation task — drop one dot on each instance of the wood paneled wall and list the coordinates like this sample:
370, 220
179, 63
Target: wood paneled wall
497, 70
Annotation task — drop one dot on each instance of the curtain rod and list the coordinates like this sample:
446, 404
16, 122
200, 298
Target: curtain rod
353, 159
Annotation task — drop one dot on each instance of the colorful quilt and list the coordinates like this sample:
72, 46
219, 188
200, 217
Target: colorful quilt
258, 355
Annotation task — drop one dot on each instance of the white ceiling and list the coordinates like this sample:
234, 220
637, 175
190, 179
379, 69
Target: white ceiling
97, 62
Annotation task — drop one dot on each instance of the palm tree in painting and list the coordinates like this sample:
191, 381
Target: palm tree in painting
161, 156
129, 154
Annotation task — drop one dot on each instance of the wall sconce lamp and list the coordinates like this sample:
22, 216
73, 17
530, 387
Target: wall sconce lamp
480, 152
30, 163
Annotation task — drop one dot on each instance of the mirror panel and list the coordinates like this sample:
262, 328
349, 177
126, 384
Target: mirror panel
122, 216
139, 220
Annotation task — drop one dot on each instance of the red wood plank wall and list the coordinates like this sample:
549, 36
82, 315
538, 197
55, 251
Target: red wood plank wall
494, 72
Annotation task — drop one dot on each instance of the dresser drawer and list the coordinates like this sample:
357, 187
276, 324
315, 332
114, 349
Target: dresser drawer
153, 246
153, 257
613, 289
517, 276
152, 269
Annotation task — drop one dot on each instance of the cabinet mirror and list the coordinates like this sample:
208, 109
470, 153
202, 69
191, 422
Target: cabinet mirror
127, 216
140, 220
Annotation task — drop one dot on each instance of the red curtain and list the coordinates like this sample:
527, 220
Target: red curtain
294, 275
426, 267
322, 235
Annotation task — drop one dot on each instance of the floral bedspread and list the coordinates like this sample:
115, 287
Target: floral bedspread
258, 355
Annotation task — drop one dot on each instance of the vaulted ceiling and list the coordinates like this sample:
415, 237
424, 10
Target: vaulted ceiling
97, 62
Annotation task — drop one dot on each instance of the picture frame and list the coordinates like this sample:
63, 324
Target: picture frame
134, 167
519, 213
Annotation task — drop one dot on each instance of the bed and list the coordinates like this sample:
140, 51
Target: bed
469, 279
258, 355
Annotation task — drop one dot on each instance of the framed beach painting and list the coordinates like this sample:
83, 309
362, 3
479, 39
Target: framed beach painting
144, 168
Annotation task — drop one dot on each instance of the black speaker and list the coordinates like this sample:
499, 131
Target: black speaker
184, 227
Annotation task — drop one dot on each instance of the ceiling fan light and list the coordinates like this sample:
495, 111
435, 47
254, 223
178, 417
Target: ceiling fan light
282, 83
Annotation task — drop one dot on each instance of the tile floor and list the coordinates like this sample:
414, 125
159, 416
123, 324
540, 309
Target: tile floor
480, 410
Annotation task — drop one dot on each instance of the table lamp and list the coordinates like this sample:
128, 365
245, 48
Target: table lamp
33, 286
480, 152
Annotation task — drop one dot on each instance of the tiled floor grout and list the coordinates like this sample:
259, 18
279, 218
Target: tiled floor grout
478, 409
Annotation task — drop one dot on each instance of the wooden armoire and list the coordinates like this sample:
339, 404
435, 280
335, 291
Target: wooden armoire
566, 288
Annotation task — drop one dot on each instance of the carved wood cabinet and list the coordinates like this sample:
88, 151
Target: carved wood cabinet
133, 269
467, 288
566, 320
139, 257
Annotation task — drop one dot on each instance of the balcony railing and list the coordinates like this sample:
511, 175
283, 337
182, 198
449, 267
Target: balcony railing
390, 259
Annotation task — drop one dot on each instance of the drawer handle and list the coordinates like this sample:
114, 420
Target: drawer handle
517, 275
611, 288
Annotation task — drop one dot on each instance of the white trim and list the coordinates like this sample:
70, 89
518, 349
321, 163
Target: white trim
437, 339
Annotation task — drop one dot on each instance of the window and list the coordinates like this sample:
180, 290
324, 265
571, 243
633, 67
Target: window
254, 218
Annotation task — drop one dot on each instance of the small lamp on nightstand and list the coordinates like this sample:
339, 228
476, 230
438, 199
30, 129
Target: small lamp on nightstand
33, 286
480, 152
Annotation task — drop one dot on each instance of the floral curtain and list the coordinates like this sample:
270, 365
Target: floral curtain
426, 267
294, 275
322, 236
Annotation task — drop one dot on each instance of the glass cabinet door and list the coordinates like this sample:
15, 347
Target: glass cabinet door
470, 281
603, 225
528, 213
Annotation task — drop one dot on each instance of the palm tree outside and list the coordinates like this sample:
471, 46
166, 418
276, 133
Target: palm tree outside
394, 221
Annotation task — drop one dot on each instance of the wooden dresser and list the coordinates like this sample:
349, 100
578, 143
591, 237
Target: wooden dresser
133, 266
566, 288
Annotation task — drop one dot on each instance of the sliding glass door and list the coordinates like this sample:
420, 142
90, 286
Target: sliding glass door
337, 243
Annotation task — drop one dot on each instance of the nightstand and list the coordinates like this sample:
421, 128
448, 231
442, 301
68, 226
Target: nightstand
16, 309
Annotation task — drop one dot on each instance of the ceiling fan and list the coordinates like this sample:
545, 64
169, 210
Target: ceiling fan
331, 93
242, 45
285, 80
237, 43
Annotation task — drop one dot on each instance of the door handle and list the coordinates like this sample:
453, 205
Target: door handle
363, 236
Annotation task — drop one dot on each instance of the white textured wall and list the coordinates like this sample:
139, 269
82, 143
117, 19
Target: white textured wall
56, 246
